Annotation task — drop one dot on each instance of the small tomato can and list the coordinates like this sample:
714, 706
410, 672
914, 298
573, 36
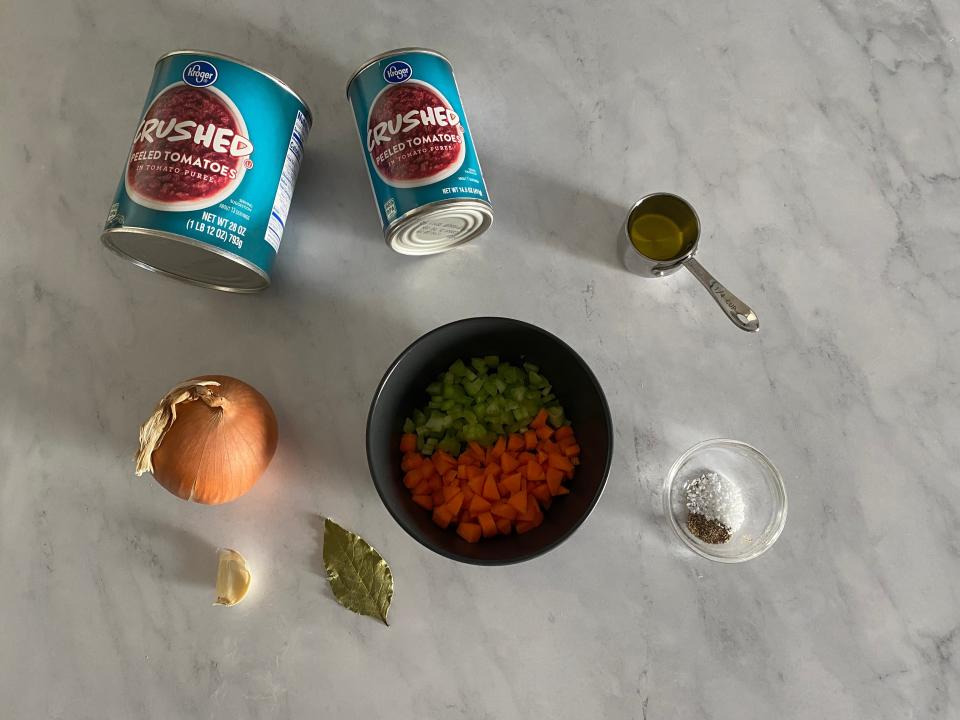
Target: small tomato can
420, 156
210, 174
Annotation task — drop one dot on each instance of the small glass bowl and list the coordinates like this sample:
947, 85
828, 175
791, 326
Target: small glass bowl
764, 498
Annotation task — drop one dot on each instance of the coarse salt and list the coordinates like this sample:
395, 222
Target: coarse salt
716, 498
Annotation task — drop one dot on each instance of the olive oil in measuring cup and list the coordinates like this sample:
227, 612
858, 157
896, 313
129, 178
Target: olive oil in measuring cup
660, 236
656, 236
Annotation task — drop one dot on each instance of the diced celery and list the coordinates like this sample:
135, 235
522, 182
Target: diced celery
450, 445
557, 417
479, 402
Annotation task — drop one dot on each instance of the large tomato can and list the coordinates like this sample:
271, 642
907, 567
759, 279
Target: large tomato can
419, 152
210, 174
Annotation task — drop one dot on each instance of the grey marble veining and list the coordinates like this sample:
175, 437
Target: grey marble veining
819, 142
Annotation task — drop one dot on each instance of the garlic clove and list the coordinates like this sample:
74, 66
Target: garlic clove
233, 577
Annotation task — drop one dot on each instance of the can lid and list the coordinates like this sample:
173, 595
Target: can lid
186, 259
388, 53
440, 227
238, 61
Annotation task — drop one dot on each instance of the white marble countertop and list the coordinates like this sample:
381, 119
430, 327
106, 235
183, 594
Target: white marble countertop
819, 142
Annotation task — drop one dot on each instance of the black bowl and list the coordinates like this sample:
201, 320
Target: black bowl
403, 389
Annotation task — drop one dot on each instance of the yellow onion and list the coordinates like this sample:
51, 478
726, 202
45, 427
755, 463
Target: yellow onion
209, 440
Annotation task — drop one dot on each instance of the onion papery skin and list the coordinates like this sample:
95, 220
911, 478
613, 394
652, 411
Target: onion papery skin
219, 444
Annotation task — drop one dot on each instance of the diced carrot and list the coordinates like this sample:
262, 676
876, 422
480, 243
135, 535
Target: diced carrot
479, 505
560, 462
530, 439
443, 462
487, 524
519, 501
408, 442
512, 483
532, 511
474, 472
540, 420
442, 517
411, 461
422, 489
469, 531
534, 471
476, 484
506, 487
412, 478
424, 501
454, 504
554, 479
542, 494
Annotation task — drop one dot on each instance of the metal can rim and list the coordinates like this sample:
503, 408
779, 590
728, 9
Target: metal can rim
388, 53
108, 242
482, 206
238, 61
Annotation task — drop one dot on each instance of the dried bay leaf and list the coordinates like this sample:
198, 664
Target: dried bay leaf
359, 577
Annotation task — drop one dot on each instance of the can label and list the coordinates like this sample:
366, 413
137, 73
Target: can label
414, 132
214, 158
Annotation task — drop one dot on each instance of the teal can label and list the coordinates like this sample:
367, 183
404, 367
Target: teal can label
419, 152
210, 175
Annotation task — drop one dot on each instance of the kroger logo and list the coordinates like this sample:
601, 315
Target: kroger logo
397, 72
200, 73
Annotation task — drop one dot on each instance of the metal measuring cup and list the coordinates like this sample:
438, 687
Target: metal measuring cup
685, 217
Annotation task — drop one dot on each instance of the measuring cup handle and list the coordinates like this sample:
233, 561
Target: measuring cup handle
736, 309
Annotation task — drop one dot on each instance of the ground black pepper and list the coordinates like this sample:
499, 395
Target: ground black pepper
710, 531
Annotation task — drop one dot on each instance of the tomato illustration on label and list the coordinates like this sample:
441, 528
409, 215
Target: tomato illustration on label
190, 151
414, 136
